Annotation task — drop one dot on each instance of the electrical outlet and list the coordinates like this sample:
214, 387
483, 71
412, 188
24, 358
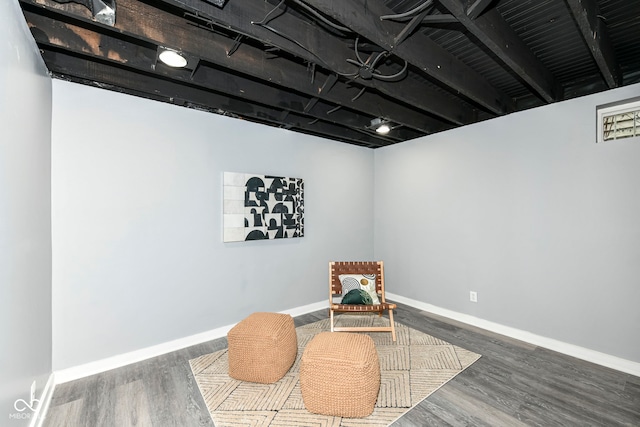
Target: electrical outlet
473, 296
33, 393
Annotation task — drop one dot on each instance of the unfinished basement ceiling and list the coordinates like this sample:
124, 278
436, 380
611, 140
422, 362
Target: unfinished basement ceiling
335, 69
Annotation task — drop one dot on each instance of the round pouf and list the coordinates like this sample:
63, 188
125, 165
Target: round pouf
262, 347
340, 375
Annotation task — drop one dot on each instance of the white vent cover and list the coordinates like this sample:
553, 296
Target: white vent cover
619, 120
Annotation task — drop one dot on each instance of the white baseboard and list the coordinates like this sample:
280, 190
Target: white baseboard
92, 368
43, 406
98, 366
309, 308
593, 356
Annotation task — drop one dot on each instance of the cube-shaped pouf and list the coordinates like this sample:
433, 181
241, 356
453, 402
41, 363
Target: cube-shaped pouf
262, 347
340, 374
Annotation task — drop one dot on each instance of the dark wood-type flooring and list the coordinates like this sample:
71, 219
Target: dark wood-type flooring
513, 384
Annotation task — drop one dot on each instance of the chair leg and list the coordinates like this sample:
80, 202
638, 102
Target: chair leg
393, 326
331, 317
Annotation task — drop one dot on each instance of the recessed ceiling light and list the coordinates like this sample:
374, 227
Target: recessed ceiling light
380, 126
173, 59
383, 129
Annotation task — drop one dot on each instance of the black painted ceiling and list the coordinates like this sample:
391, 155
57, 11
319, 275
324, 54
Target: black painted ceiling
331, 67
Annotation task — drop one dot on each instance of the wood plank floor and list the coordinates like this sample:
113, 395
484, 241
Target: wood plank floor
513, 384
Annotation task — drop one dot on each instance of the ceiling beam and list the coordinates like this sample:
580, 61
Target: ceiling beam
174, 31
87, 68
419, 50
111, 45
492, 31
477, 7
329, 52
410, 28
138, 84
441, 18
595, 34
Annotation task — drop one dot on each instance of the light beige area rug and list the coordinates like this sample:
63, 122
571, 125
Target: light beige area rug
411, 369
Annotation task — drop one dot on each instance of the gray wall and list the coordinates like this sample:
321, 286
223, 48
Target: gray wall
25, 209
528, 211
137, 222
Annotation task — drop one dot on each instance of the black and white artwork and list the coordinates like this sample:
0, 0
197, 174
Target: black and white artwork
259, 207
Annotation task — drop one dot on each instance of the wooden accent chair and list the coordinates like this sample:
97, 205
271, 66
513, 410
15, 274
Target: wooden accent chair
335, 290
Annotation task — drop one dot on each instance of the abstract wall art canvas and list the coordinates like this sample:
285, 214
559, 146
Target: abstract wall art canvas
259, 207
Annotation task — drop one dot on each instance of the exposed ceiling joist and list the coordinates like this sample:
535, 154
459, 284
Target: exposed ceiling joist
364, 18
336, 69
141, 56
414, 23
477, 7
596, 36
251, 60
167, 90
316, 46
442, 18
494, 33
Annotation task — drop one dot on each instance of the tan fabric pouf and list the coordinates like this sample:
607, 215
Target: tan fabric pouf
262, 347
340, 374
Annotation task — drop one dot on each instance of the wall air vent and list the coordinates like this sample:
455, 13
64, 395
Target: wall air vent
619, 120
